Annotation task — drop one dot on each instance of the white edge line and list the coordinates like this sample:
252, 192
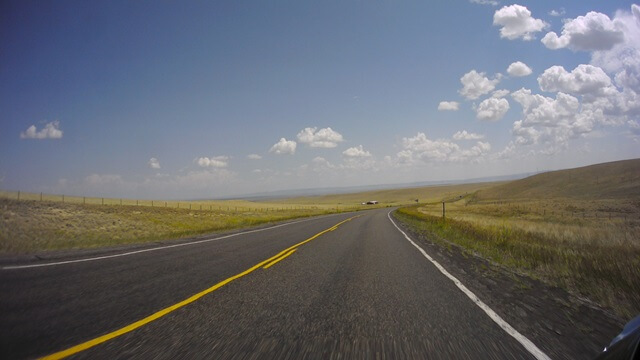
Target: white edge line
530, 346
15, 267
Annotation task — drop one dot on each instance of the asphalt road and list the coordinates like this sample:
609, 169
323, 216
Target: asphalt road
361, 290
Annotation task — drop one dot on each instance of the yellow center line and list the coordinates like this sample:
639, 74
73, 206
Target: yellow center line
104, 338
279, 259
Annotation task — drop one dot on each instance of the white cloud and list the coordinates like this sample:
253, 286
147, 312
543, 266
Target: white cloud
214, 162
553, 122
254, 157
541, 110
356, 152
284, 147
154, 163
492, 109
516, 22
464, 135
448, 106
475, 84
500, 93
594, 31
485, 2
518, 69
558, 12
422, 149
323, 138
584, 79
50, 131
623, 59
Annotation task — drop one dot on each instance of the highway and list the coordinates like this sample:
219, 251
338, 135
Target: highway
340, 286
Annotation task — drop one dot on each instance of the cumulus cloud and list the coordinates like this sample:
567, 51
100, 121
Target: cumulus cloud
584, 79
475, 84
214, 162
594, 31
516, 22
356, 152
492, 109
254, 157
542, 110
485, 2
421, 148
448, 106
50, 131
323, 138
558, 12
500, 94
518, 69
284, 147
154, 163
623, 59
464, 135
552, 122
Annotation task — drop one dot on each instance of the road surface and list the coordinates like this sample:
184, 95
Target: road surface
340, 286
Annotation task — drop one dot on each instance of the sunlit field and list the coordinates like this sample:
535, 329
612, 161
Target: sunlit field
32, 222
587, 241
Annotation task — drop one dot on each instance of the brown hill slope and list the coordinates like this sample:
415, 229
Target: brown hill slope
619, 179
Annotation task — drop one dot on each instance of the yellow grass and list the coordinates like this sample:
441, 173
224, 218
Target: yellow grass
38, 222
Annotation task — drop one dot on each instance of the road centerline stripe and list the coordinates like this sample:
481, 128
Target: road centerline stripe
155, 316
279, 259
524, 341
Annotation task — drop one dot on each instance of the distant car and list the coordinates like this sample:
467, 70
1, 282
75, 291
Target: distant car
372, 202
625, 345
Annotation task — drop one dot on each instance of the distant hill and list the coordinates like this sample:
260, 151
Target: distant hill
299, 193
619, 179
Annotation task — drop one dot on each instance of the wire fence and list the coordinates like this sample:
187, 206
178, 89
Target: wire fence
200, 205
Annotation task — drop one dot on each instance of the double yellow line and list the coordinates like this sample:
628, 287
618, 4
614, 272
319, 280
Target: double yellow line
264, 264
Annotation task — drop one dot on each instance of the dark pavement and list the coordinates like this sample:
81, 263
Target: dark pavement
360, 291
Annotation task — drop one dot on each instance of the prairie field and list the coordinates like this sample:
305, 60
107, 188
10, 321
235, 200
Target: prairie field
31, 222
585, 239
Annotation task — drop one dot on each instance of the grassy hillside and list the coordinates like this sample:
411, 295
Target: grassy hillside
393, 196
619, 179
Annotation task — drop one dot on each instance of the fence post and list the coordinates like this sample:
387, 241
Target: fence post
443, 210
151, 203
63, 198
102, 201
18, 195
40, 196
84, 200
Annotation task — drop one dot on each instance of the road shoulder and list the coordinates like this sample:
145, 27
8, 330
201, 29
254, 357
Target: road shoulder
561, 324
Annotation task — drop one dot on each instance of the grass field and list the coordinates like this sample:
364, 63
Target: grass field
586, 241
29, 224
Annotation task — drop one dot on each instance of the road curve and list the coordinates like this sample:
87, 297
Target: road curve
310, 289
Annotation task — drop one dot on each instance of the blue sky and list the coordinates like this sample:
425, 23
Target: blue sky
209, 99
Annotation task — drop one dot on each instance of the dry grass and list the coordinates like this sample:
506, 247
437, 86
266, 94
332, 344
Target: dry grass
37, 222
29, 226
590, 247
